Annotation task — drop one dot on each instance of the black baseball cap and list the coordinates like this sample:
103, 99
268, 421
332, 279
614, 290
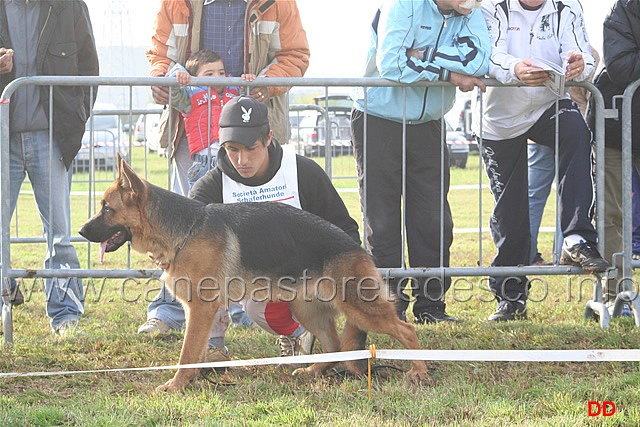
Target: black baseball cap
241, 120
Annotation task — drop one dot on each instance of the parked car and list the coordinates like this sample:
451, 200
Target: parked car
464, 125
108, 139
458, 147
148, 132
308, 127
302, 124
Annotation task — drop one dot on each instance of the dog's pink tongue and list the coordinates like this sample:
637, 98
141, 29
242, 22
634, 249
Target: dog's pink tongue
103, 247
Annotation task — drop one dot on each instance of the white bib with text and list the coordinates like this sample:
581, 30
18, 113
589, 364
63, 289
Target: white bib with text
282, 188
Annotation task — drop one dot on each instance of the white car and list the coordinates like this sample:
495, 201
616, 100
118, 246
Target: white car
147, 131
105, 132
308, 132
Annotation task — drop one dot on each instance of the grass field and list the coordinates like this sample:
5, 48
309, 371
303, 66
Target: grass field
458, 394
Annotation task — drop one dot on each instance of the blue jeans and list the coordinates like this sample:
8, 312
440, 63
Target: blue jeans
201, 165
541, 161
30, 153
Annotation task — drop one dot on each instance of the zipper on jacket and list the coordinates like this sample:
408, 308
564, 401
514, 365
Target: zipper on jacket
426, 89
45, 25
530, 35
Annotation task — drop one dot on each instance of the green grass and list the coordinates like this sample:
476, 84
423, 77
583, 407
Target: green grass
458, 394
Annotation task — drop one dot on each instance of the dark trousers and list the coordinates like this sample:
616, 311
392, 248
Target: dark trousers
506, 166
427, 185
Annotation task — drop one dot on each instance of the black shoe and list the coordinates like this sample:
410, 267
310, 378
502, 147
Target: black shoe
433, 313
539, 261
509, 310
584, 255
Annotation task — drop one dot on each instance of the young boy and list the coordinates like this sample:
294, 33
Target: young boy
202, 128
193, 102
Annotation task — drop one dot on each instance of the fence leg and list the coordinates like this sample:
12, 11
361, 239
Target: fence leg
627, 297
7, 315
596, 307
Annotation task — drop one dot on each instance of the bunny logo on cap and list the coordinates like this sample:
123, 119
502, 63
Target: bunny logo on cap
246, 114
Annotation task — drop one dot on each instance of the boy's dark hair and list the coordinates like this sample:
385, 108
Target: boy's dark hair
196, 60
264, 133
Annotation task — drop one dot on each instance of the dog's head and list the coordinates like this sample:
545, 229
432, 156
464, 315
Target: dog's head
120, 213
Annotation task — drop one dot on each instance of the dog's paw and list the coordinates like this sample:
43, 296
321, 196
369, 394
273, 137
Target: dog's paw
416, 378
300, 372
170, 386
309, 371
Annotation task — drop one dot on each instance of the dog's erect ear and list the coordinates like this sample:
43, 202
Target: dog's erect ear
127, 178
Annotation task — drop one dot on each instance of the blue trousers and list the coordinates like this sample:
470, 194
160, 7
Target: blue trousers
33, 154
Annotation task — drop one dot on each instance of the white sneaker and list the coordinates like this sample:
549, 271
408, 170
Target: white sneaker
297, 346
70, 328
153, 325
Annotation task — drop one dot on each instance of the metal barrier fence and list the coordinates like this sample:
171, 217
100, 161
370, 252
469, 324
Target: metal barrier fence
7, 273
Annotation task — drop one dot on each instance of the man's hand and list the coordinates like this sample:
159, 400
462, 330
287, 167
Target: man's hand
160, 94
466, 83
6, 60
414, 52
530, 75
575, 65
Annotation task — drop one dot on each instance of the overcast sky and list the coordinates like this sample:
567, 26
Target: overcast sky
338, 30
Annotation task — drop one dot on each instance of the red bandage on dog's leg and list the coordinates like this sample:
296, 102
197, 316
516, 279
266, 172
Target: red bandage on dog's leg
279, 318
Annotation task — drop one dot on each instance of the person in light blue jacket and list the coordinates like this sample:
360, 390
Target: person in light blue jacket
413, 41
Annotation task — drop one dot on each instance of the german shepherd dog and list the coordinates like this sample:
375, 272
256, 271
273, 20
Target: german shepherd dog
211, 253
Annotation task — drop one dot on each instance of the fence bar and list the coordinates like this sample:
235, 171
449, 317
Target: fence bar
5, 218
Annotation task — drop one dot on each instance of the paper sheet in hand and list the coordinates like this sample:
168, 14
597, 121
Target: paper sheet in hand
557, 77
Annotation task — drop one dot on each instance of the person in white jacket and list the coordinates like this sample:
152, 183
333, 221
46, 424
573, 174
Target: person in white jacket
528, 37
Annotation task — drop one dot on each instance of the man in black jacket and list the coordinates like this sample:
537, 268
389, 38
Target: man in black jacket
49, 38
621, 56
254, 167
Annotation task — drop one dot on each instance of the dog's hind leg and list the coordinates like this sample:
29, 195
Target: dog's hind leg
366, 308
380, 317
319, 319
354, 338
199, 320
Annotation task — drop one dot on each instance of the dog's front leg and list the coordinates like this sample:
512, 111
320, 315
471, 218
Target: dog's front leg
199, 320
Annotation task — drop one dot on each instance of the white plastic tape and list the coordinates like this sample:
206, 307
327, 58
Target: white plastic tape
432, 355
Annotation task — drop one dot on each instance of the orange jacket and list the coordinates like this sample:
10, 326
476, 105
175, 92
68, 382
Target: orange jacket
275, 46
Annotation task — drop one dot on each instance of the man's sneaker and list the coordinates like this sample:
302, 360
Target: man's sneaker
509, 310
69, 328
297, 346
584, 255
215, 354
625, 312
153, 325
433, 313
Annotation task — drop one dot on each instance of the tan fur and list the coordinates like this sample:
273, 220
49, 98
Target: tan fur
186, 269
